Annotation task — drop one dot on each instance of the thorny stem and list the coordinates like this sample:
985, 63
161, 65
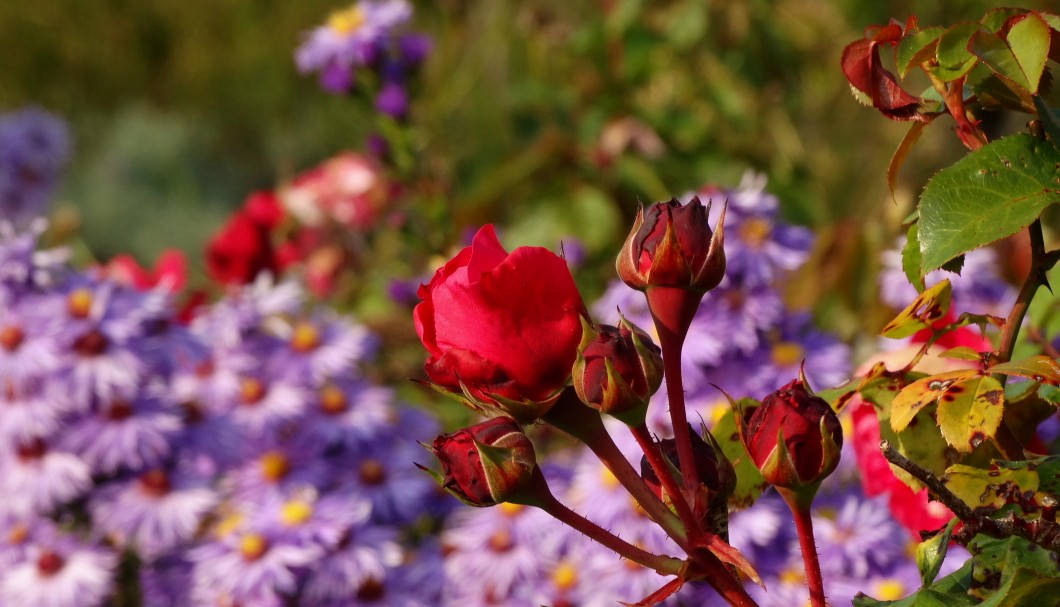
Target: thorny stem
723, 582
543, 499
1038, 531
800, 510
658, 462
671, 343
585, 424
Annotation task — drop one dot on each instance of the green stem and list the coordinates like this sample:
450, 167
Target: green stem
542, 498
800, 510
661, 467
585, 424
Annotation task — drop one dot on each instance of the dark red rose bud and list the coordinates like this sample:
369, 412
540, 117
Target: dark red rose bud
673, 256
502, 329
485, 464
794, 437
617, 370
717, 478
671, 245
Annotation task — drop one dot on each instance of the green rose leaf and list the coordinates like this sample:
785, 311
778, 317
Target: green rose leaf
911, 258
932, 552
749, 481
989, 194
1029, 40
916, 48
954, 58
1025, 573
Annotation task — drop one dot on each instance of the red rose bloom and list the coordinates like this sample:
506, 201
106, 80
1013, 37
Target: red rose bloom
239, 251
505, 327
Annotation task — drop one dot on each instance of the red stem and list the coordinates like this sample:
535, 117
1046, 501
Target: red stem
583, 423
722, 580
657, 461
544, 499
800, 509
671, 345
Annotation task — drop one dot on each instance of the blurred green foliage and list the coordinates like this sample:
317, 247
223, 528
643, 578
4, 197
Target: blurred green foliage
551, 118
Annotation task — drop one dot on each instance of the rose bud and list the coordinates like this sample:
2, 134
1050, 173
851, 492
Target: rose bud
502, 329
617, 370
672, 254
671, 245
794, 437
717, 479
485, 464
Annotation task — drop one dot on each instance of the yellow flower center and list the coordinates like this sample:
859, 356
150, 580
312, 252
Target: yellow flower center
755, 232
229, 524
79, 303
295, 512
251, 390
347, 20
787, 353
565, 576
889, 590
608, 478
305, 337
510, 509
274, 466
793, 575
253, 546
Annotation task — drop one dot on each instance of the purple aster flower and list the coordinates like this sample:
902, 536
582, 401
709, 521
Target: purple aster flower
304, 516
35, 478
978, 289
265, 402
27, 411
153, 513
271, 465
59, 573
345, 413
28, 348
384, 473
365, 553
859, 538
123, 434
500, 548
349, 40
414, 48
23, 268
320, 346
764, 533
248, 566
34, 147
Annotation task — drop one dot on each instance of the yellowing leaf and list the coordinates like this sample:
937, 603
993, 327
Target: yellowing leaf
970, 412
928, 307
924, 392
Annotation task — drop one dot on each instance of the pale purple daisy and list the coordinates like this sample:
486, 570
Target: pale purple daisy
24, 268
28, 347
35, 478
248, 566
123, 434
858, 539
345, 412
383, 472
365, 552
27, 412
153, 513
265, 402
59, 573
321, 345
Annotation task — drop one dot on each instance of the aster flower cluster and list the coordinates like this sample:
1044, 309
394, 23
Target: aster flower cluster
744, 339
243, 459
362, 46
34, 147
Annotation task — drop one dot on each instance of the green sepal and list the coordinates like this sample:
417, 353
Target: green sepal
932, 552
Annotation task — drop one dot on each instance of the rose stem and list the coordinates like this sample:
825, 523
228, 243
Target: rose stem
800, 509
723, 581
585, 424
675, 304
542, 498
659, 464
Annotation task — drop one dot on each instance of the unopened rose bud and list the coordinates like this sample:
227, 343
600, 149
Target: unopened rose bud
617, 370
485, 464
794, 437
671, 245
717, 478
673, 256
